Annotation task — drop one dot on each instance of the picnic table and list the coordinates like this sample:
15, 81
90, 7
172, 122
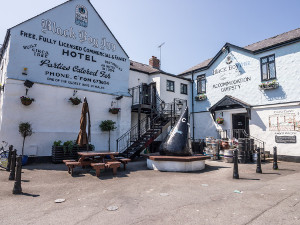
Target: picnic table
98, 160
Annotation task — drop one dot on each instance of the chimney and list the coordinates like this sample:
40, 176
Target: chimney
154, 62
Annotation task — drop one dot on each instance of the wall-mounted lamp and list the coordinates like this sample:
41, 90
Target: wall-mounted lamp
179, 105
25, 70
163, 105
28, 84
119, 97
74, 92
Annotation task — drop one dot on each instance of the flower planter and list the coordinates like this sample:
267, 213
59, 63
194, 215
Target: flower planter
200, 98
75, 101
26, 101
59, 154
269, 86
220, 120
114, 110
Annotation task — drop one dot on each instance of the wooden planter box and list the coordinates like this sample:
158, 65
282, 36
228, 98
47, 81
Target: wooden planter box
58, 153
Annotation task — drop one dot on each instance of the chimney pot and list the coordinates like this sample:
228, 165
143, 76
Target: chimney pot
154, 62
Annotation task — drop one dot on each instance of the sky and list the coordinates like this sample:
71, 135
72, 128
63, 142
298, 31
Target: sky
192, 30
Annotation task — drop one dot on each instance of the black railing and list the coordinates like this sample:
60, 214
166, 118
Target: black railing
241, 133
142, 94
135, 133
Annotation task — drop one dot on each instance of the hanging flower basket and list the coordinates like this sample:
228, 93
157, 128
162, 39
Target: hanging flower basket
201, 97
75, 101
269, 85
220, 120
114, 110
26, 100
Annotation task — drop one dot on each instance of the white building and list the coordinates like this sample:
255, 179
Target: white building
69, 51
255, 90
65, 52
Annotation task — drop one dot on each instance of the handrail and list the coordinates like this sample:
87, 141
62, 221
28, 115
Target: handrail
133, 135
260, 142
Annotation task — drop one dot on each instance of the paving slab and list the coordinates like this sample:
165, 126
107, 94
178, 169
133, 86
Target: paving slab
142, 196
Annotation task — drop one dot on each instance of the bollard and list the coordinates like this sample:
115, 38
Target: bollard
17, 187
258, 167
235, 166
9, 158
275, 166
13, 165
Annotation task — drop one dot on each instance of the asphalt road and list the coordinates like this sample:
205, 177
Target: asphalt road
142, 196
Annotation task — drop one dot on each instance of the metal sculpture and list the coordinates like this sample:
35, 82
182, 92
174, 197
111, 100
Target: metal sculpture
178, 140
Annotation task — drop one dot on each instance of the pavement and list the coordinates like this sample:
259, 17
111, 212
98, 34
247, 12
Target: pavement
142, 196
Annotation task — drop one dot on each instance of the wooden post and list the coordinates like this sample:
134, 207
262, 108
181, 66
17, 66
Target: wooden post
13, 165
9, 158
17, 186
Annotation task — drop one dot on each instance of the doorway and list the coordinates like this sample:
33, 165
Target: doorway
240, 122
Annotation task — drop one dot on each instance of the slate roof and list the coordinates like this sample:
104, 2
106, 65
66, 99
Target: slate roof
255, 48
142, 67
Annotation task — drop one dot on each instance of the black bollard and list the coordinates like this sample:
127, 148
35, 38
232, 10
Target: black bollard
9, 158
235, 166
275, 166
17, 187
13, 165
258, 167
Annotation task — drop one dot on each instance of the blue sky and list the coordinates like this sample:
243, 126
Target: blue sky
193, 30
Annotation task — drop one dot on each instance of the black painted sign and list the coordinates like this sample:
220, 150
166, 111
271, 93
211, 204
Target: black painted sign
285, 139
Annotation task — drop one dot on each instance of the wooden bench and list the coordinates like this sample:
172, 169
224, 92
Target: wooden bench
114, 165
68, 160
98, 167
71, 165
124, 161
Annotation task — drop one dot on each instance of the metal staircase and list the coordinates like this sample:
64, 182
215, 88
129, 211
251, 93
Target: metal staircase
158, 115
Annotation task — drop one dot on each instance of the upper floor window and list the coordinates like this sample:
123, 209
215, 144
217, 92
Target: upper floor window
268, 71
201, 84
170, 85
183, 89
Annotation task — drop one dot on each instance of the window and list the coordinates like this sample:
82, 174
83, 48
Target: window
268, 71
183, 89
170, 86
201, 84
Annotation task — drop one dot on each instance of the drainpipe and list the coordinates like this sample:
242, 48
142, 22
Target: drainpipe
193, 107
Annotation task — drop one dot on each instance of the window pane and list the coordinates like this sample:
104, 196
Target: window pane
264, 72
170, 85
272, 70
264, 60
271, 58
203, 86
199, 86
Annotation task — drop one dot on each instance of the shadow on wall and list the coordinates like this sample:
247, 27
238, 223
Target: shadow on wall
274, 94
258, 122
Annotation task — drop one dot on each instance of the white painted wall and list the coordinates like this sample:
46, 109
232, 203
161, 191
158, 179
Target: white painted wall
58, 52
260, 127
54, 118
137, 78
287, 60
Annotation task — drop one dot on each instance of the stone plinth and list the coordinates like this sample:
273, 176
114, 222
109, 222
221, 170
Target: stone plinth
176, 163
